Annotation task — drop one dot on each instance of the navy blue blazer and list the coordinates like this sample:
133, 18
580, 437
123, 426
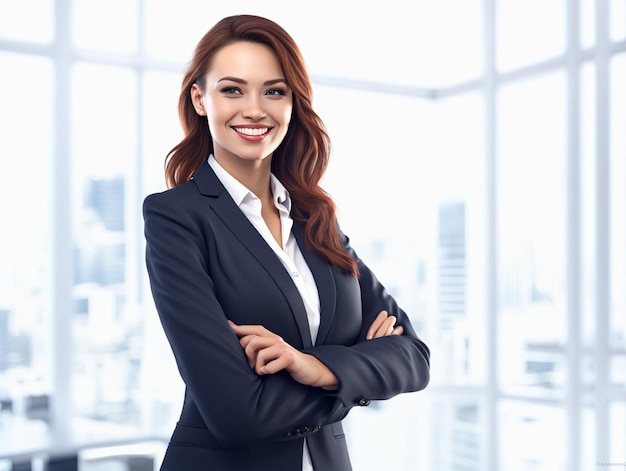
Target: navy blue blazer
207, 264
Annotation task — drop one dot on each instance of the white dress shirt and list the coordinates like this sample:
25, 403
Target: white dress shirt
290, 255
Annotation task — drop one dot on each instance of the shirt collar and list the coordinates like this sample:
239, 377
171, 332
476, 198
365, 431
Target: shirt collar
239, 192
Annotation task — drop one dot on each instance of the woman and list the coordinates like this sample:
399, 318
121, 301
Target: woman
277, 327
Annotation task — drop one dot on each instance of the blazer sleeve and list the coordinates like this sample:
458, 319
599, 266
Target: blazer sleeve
379, 368
236, 404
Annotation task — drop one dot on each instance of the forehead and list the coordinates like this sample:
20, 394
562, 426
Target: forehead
245, 59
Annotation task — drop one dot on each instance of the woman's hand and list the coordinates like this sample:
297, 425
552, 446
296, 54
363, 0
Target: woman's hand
268, 353
383, 325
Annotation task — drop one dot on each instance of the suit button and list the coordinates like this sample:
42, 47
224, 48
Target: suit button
363, 402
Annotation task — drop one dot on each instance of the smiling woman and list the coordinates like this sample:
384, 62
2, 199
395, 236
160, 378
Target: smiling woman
247, 103
259, 293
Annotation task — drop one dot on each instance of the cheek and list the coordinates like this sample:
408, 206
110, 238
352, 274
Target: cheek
217, 115
219, 109
287, 113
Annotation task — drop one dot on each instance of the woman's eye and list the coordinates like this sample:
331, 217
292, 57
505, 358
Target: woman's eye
276, 92
230, 90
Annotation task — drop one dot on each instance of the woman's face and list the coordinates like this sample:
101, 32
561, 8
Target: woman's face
246, 100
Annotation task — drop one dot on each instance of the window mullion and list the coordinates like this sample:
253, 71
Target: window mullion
602, 248
491, 322
60, 275
573, 243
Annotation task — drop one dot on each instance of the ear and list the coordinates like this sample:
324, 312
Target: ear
197, 99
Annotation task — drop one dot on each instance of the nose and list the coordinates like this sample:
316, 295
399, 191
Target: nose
254, 109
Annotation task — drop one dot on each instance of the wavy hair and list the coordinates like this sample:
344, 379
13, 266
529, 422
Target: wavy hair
300, 160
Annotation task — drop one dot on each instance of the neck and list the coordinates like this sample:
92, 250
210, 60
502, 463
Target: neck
253, 174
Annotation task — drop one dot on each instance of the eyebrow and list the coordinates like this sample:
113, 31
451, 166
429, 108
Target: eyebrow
244, 82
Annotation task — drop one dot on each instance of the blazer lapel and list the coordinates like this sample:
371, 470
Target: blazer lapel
325, 282
223, 205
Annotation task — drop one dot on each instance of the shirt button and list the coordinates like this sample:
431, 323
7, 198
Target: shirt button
295, 274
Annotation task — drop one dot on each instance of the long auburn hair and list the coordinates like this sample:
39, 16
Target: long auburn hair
300, 160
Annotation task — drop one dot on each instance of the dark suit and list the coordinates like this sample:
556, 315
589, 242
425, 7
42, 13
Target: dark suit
208, 264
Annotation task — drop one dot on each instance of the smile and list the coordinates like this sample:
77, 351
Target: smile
252, 131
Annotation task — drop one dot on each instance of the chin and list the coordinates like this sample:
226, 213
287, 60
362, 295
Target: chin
249, 155
253, 157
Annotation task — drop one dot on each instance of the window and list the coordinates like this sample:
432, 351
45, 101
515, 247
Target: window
529, 32
531, 234
482, 181
17, 21
107, 326
26, 153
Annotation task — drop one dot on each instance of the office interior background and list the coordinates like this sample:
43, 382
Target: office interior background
479, 167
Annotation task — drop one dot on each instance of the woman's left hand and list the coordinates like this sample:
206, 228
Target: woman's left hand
268, 353
383, 326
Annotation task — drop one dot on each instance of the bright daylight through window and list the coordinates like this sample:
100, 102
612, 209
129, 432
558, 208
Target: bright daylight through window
479, 167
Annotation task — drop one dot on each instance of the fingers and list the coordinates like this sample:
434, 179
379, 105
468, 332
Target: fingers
378, 322
254, 338
382, 326
274, 359
242, 330
398, 330
269, 357
266, 352
252, 344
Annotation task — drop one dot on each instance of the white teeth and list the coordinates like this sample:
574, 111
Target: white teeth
252, 131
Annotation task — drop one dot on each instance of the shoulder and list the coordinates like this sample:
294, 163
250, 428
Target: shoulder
204, 183
182, 205
177, 196
181, 191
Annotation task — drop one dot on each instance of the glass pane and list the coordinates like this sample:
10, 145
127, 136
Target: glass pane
458, 38
443, 432
406, 48
528, 32
196, 16
456, 207
617, 18
618, 202
27, 20
617, 433
26, 143
588, 453
618, 372
404, 417
416, 43
162, 129
588, 202
106, 25
587, 12
161, 132
532, 436
458, 441
531, 233
588, 373
107, 329
401, 50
